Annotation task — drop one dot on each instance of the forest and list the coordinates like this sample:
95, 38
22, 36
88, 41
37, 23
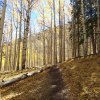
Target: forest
49, 49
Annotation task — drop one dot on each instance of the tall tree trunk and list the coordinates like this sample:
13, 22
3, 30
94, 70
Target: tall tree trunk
44, 40
55, 36
63, 43
84, 29
26, 36
48, 48
19, 40
1, 30
92, 31
30, 48
60, 33
98, 26
73, 38
6, 64
15, 49
37, 56
10, 52
78, 37
51, 39
34, 58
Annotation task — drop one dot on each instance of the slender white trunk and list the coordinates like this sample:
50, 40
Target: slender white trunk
55, 36
2, 17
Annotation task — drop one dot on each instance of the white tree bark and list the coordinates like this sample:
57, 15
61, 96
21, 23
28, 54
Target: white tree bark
1, 29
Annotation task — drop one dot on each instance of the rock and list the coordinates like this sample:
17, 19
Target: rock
53, 86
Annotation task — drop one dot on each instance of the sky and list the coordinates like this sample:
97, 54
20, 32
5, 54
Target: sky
36, 15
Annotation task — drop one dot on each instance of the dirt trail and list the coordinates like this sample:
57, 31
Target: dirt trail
39, 87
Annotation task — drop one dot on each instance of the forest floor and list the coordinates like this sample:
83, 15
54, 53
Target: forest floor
77, 79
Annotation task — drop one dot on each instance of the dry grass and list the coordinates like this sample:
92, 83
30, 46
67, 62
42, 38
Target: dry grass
83, 78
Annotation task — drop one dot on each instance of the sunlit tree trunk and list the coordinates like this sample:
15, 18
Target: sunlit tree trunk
51, 38
15, 47
19, 39
10, 52
37, 55
6, 64
63, 43
55, 36
60, 33
28, 13
2, 17
44, 40
34, 58
30, 49
48, 37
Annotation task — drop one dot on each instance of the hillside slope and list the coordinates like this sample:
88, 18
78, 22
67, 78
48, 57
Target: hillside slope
77, 79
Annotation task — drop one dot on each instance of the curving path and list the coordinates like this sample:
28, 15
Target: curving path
47, 85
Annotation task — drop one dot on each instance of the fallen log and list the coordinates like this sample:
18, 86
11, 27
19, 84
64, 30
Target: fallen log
21, 77
18, 78
32, 74
9, 82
